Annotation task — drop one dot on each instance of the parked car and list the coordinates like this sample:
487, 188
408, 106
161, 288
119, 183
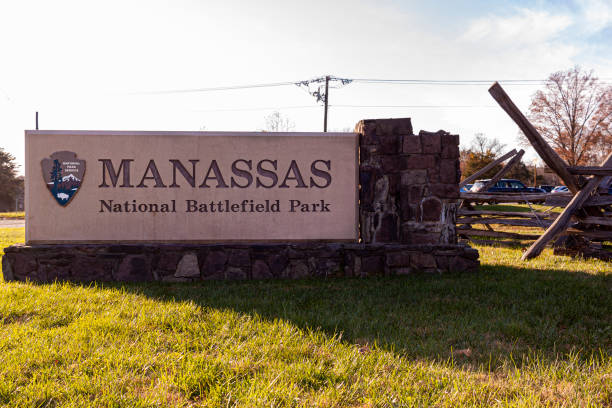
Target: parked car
466, 188
505, 186
560, 189
546, 187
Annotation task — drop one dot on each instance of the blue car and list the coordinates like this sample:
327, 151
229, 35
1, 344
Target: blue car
505, 186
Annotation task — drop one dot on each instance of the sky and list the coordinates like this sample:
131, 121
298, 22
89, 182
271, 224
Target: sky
105, 65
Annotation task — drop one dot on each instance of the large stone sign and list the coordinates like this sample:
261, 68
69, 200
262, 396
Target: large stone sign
190, 186
180, 207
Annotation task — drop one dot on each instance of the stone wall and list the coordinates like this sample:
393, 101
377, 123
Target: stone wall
183, 263
409, 183
408, 198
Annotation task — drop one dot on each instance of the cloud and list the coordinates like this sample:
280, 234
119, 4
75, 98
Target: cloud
597, 15
525, 27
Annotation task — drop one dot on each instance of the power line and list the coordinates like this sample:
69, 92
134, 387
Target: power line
212, 89
458, 81
258, 108
414, 106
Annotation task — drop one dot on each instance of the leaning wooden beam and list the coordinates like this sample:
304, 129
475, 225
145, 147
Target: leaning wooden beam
605, 184
565, 217
488, 167
537, 141
590, 170
517, 158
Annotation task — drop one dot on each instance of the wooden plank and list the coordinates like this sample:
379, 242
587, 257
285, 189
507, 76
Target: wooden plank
486, 168
497, 234
595, 220
561, 200
605, 184
590, 170
550, 157
599, 235
505, 221
504, 197
517, 158
506, 213
560, 224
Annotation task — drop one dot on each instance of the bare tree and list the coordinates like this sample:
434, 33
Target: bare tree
486, 146
573, 114
276, 122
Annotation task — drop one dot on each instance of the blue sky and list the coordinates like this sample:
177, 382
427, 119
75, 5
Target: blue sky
80, 62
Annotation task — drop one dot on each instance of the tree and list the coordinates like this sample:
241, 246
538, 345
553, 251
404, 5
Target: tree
56, 175
9, 183
573, 114
276, 122
481, 152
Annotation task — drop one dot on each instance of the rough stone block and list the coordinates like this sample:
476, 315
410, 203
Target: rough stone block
431, 209
449, 171
443, 190
297, 270
134, 268
277, 263
372, 265
392, 163
418, 161
450, 146
411, 177
412, 144
168, 260
367, 131
398, 259
235, 273
402, 126
214, 263
188, 266
388, 230
239, 257
423, 261
394, 183
261, 270
431, 142
85, 269
390, 144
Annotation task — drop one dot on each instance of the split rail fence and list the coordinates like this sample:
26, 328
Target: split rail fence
579, 229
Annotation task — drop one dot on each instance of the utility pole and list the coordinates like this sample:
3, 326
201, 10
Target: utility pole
326, 102
36, 120
320, 94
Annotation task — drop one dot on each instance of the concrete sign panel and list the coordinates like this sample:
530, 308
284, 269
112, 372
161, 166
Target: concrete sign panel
190, 186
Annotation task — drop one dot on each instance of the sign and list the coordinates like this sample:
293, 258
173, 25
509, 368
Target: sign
190, 186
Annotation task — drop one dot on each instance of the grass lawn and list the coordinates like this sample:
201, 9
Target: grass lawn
516, 334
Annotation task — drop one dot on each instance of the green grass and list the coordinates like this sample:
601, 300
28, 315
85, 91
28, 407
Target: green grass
515, 334
17, 215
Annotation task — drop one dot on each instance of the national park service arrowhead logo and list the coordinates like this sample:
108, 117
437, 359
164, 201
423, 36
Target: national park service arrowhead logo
63, 174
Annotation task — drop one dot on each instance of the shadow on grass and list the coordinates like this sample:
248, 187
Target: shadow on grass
500, 314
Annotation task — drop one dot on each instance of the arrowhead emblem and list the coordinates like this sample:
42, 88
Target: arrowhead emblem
63, 174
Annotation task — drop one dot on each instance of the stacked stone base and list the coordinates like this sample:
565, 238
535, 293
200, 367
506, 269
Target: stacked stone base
185, 263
